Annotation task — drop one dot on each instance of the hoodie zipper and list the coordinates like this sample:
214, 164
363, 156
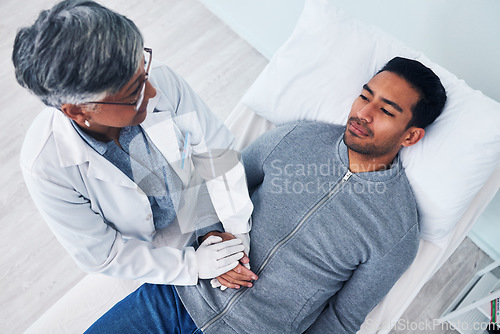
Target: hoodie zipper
279, 244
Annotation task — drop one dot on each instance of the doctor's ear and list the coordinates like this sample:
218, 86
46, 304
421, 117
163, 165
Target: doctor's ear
74, 112
413, 136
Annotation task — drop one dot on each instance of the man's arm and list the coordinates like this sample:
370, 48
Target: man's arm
369, 283
255, 155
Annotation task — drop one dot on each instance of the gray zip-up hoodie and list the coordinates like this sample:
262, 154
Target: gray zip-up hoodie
327, 244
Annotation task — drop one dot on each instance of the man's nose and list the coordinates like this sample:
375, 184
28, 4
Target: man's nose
366, 113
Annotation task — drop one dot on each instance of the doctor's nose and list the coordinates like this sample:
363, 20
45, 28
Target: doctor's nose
150, 91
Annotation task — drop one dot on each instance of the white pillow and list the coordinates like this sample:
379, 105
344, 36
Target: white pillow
320, 70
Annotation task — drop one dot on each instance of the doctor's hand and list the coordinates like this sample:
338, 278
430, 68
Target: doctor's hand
216, 257
241, 275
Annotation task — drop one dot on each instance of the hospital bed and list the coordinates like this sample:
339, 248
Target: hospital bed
315, 75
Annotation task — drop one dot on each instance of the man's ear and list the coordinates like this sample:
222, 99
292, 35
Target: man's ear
74, 112
413, 136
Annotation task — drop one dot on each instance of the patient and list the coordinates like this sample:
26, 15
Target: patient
335, 223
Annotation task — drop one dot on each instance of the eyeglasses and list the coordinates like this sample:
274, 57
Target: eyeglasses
148, 54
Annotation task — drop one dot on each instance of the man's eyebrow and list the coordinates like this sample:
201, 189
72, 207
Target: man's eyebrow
393, 104
368, 89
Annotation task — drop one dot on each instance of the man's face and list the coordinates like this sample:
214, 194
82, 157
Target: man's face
379, 116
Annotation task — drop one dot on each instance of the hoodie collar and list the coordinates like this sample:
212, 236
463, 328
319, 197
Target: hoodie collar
378, 176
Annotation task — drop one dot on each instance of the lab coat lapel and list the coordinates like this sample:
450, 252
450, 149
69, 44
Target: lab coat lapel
73, 150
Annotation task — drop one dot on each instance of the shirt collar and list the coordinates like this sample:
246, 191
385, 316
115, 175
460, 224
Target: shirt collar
97, 145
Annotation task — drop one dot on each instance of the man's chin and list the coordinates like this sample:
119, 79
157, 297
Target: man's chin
351, 141
350, 138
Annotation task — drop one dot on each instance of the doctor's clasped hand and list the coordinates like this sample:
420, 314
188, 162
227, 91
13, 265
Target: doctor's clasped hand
216, 257
240, 275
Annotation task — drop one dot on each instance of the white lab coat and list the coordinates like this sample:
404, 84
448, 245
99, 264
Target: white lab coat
102, 218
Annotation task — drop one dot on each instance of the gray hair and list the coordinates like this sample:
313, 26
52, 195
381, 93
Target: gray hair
76, 52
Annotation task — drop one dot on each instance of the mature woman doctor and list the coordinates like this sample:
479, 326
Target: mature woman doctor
116, 159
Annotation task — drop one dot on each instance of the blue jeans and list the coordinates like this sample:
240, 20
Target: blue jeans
150, 309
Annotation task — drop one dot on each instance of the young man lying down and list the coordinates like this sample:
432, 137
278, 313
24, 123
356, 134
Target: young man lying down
335, 223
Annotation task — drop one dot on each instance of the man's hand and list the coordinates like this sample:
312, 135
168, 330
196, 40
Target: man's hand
240, 275
237, 277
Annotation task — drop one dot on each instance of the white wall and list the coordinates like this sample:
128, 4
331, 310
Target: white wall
265, 24
467, 44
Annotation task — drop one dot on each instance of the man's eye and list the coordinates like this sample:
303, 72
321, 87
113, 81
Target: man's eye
387, 112
364, 98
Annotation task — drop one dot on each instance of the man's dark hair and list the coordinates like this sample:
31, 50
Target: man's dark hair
428, 85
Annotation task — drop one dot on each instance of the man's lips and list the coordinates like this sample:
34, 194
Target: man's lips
358, 129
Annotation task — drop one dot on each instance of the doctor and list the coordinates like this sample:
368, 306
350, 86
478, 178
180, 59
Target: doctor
127, 165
